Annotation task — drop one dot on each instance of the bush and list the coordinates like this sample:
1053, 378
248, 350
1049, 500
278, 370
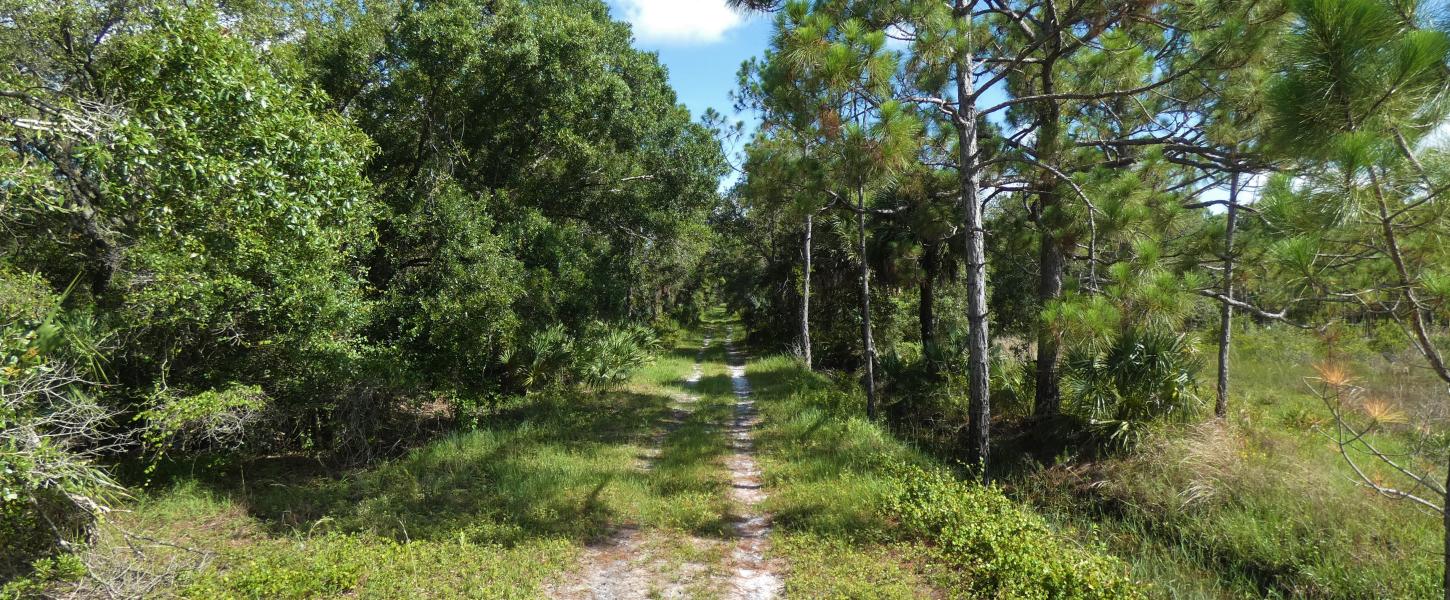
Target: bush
210, 421
1006, 551
51, 432
1136, 378
609, 354
602, 356
547, 357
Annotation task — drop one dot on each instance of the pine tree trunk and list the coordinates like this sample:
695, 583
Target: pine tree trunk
1226, 310
869, 348
1048, 393
1048, 401
980, 408
806, 294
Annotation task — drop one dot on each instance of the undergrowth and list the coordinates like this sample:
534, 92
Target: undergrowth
894, 522
1261, 505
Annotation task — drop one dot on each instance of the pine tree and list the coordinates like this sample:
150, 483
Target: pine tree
830, 77
1362, 87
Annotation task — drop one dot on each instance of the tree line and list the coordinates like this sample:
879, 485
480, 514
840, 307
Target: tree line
325, 227
1041, 206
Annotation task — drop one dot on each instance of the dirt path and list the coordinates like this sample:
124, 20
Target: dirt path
635, 564
752, 577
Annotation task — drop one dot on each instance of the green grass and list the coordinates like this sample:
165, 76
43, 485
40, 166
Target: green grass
859, 514
824, 566
492, 513
1259, 507
827, 476
1263, 506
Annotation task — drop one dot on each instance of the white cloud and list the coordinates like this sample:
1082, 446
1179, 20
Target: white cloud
679, 21
898, 36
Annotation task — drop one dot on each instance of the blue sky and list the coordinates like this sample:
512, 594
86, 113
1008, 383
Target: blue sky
702, 43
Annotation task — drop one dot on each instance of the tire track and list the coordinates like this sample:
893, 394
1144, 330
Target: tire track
753, 577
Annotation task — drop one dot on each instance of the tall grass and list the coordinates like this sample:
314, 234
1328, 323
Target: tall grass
1258, 506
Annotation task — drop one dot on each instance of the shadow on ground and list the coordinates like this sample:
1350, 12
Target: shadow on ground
567, 465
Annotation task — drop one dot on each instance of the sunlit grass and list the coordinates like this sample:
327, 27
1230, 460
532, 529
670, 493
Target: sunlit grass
822, 463
837, 482
495, 512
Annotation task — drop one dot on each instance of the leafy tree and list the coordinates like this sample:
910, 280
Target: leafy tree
216, 214
205, 217
534, 167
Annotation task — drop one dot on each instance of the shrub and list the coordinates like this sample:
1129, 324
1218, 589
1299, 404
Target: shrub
1006, 551
609, 354
51, 431
546, 356
1013, 383
212, 420
601, 356
1136, 377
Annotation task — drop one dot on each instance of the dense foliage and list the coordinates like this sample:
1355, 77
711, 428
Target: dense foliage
1005, 551
265, 227
1018, 228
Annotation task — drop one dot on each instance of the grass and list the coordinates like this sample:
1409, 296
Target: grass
827, 471
1260, 506
495, 512
824, 566
859, 514
1263, 505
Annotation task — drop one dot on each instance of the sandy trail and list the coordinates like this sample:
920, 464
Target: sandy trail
634, 565
752, 577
